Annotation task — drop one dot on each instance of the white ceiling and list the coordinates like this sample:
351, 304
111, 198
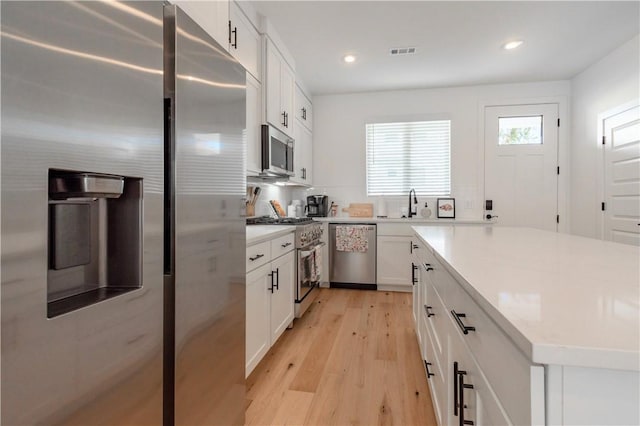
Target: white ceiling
458, 43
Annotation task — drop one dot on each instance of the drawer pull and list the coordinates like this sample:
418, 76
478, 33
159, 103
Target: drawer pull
427, 267
465, 328
414, 280
426, 366
256, 257
285, 245
427, 309
461, 387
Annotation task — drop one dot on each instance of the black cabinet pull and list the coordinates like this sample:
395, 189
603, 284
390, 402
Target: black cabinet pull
427, 309
415, 246
256, 257
284, 118
272, 285
414, 280
465, 328
456, 372
426, 366
411, 247
461, 387
229, 31
235, 38
285, 245
277, 272
427, 267
304, 113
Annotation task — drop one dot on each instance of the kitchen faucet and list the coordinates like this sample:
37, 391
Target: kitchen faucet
415, 200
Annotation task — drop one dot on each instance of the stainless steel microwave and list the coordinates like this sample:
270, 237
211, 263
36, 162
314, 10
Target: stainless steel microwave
277, 152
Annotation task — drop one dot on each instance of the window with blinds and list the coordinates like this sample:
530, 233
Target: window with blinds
402, 156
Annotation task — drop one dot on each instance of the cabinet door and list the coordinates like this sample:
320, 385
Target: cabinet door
282, 297
254, 120
307, 156
245, 41
394, 261
258, 300
212, 16
287, 87
303, 108
274, 111
302, 154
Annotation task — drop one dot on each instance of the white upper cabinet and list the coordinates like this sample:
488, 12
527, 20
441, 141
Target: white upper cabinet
302, 160
304, 109
244, 41
254, 121
278, 84
212, 16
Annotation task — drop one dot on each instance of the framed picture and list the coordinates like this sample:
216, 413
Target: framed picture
446, 208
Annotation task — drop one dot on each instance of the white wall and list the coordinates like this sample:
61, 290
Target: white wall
339, 168
610, 82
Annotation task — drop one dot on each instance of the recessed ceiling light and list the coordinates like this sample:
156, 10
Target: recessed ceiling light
349, 59
512, 45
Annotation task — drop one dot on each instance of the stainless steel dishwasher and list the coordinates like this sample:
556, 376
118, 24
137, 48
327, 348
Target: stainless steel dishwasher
352, 255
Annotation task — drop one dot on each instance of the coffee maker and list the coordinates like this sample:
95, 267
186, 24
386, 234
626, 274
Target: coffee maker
317, 206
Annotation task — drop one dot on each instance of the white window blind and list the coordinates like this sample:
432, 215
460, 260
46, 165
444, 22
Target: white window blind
401, 156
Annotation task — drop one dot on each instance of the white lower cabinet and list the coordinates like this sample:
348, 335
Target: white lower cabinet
394, 262
258, 336
478, 377
283, 276
269, 297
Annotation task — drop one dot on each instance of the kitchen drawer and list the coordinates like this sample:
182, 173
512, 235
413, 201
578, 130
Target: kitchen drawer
396, 229
438, 381
510, 373
282, 245
438, 322
258, 255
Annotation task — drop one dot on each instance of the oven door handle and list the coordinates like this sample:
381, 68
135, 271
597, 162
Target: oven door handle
308, 252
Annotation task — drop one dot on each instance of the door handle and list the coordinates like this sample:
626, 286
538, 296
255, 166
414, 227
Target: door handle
427, 309
277, 272
461, 387
272, 286
414, 280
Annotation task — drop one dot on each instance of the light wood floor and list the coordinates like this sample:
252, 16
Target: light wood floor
352, 359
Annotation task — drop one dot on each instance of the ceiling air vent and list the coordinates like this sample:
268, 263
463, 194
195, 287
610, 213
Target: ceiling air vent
402, 51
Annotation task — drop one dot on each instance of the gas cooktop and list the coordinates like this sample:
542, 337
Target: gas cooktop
268, 220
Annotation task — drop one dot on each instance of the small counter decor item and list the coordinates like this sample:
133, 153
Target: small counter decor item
425, 212
333, 210
446, 208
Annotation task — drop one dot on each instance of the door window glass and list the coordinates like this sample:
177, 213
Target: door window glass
520, 130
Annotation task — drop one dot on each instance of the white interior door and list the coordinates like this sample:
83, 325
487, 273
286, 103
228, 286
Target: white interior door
622, 176
521, 160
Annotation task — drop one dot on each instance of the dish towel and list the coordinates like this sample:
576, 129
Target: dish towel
352, 238
317, 266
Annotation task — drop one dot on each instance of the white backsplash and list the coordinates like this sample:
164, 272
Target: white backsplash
271, 192
343, 195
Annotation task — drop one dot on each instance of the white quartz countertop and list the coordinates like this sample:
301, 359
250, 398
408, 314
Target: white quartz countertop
412, 221
563, 299
259, 233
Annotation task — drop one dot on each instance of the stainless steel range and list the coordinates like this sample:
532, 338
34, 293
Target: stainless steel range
308, 243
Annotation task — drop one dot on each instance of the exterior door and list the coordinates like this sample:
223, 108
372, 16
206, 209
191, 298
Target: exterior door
622, 176
521, 160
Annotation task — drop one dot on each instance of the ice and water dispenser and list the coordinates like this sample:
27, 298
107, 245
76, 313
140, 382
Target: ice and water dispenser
95, 238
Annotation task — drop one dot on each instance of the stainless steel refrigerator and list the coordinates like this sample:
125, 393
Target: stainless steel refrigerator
122, 273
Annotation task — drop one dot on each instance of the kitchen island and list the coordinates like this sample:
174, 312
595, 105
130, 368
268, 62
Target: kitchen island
566, 308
